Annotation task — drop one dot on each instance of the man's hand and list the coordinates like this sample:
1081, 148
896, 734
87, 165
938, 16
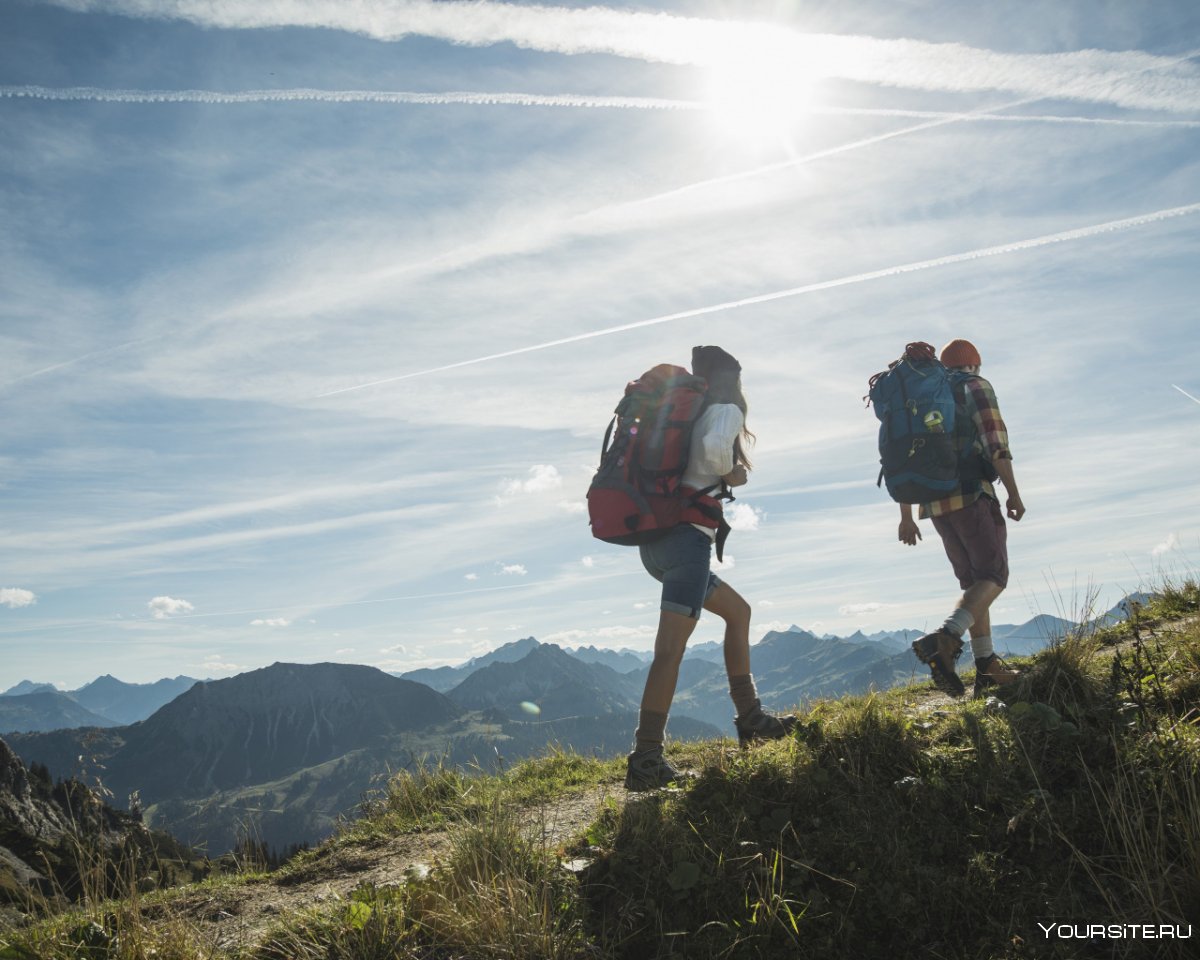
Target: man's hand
735, 477
1014, 506
910, 533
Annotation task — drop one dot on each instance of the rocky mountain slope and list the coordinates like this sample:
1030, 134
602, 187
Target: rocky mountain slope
47, 831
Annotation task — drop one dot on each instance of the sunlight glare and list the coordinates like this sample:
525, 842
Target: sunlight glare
758, 96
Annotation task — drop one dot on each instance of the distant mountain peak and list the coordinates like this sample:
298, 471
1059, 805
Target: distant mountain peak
28, 686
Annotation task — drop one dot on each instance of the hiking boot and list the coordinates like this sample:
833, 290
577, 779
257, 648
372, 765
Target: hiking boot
649, 770
991, 671
940, 650
760, 725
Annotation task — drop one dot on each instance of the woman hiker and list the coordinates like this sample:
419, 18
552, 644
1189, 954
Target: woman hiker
680, 561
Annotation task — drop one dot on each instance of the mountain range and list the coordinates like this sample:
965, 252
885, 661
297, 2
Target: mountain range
283, 751
31, 707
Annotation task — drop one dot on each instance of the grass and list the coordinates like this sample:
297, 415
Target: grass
438, 796
886, 826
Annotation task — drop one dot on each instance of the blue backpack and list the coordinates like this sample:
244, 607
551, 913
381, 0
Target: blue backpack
926, 439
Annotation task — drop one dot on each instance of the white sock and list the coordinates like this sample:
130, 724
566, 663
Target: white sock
981, 646
959, 622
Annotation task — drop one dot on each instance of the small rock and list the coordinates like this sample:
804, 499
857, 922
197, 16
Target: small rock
416, 871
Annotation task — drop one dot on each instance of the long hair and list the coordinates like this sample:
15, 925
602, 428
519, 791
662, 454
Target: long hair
724, 377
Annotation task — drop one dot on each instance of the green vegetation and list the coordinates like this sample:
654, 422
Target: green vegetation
890, 825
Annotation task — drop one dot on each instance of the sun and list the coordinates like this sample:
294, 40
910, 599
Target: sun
759, 97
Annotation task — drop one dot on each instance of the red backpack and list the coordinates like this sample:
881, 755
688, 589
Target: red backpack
637, 495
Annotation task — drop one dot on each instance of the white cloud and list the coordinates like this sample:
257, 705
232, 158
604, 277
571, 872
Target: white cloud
572, 506
1120, 77
471, 576
399, 648
459, 630
588, 561
214, 663
603, 633
273, 622
13, 597
164, 607
343, 651
566, 636
1171, 543
857, 609
742, 516
542, 477
513, 570
720, 566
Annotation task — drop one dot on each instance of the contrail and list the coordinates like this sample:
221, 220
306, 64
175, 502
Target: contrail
936, 120
75, 360
462, 256
1081, 233
1094, 75
1186, 394
508, 98
101, 95
798, 161
988, 117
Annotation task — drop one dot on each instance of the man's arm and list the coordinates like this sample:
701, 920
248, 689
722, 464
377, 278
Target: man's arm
910, 533
993, 437
1014, 506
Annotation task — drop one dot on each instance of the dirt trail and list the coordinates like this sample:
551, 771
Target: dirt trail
237, 917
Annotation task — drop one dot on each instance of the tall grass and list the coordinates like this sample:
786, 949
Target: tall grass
104, 912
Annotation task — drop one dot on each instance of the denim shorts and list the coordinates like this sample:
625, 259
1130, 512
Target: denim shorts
680, 562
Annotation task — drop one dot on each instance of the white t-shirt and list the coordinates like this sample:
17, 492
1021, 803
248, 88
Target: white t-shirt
710, 456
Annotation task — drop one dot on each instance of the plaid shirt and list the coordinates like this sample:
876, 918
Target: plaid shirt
980, 402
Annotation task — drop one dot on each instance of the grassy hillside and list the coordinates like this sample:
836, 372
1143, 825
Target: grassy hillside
892, 825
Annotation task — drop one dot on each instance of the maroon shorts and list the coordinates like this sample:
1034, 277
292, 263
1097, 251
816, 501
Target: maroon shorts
975, 539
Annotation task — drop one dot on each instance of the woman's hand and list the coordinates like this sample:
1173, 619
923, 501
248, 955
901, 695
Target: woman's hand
735, 477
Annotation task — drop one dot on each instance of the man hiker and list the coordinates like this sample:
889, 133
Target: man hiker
972, 529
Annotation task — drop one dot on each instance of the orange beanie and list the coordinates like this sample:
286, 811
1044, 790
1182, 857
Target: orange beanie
960, 353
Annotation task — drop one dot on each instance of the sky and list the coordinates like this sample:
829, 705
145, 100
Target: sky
313, 314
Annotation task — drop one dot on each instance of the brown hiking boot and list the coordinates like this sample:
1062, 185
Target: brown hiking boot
991, 671
760, 725
649, 770
940, 650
